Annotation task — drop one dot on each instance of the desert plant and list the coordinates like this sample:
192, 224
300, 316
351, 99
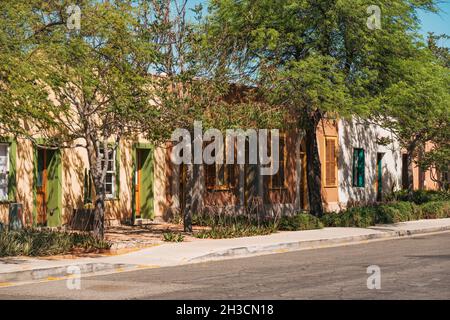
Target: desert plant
34, 242
235, 231
173, 237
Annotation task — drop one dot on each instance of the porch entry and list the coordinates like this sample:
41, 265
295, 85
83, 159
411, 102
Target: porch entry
48, 187
144, 198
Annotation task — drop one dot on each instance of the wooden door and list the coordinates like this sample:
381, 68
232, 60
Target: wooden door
137, 187
41, 185
48, 188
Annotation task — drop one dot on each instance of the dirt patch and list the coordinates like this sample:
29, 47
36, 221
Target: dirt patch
129, 237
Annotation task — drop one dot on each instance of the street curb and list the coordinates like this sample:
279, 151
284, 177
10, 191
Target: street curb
402, 233
89, 269
61, 272
312, 244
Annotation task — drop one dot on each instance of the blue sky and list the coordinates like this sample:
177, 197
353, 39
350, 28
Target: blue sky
437, 23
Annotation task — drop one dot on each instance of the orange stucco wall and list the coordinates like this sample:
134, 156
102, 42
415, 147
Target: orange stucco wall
427, 182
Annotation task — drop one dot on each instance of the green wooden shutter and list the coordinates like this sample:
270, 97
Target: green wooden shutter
54, 188
87, 187
147, 181
117, 160
354, 167
361, 168
133, 183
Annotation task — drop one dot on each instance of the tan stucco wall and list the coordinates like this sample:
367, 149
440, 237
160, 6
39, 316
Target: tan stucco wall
74, 163
24, 173
163, 181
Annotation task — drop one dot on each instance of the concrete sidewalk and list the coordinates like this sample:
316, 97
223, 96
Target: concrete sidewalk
23, 270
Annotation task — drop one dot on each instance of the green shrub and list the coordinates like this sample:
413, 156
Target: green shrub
393, 212
301, 221
222, 227
331, 219
397, 212
360, 217
435, 210
422, 196
173, 237
33, 242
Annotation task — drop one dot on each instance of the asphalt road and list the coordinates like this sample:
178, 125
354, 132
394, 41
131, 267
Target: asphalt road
411, 268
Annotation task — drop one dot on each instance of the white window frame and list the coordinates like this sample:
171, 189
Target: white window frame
113, 173
7, 145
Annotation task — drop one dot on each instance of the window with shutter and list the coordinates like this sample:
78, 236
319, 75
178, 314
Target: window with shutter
111, 172
220, 176
278, 180
4, 171
330, 162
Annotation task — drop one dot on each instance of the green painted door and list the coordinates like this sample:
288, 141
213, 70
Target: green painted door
144, 186
48, 187
54, 187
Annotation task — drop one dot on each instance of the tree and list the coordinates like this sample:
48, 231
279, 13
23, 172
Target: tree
442, 54
416, 108
23, 99
132, 67
309, 89
97, 79
323, 48
193, 84
437, 160
164, 23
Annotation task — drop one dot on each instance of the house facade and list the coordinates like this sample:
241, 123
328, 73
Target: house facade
51, 183
360, 164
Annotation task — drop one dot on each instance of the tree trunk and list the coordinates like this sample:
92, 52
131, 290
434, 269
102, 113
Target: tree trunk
189, 190
98, 175
313, 166
99, 210
187, 210
410, 155
99, 218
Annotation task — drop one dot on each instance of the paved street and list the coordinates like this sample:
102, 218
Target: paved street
411, 268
